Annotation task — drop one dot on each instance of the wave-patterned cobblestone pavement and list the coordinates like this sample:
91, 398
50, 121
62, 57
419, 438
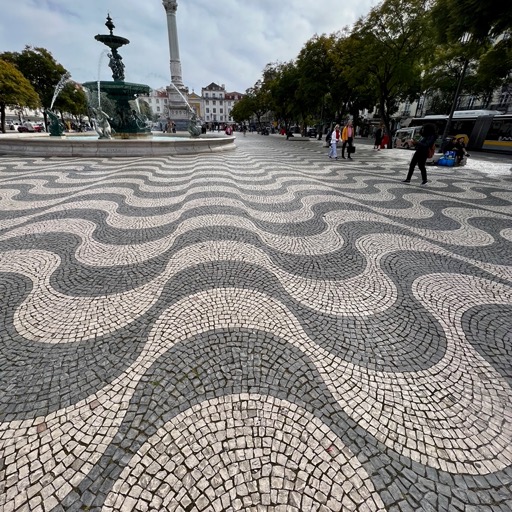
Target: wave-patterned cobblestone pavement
260, 330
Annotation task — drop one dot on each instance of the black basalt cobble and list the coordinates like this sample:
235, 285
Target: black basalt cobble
264, 329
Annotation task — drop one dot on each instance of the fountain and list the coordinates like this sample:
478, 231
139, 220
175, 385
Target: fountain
126, 123
121, 129
56, 126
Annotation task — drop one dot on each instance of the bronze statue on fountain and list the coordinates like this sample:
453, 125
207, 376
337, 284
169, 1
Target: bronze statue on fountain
124, 122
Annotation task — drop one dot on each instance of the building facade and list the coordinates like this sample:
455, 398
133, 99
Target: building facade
213, 105
217, 104
158, 100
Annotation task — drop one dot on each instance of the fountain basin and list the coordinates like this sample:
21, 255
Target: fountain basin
42, 145
124, 121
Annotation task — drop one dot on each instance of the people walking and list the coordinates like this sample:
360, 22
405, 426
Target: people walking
428, 139
335, 137
347, 136
378, 138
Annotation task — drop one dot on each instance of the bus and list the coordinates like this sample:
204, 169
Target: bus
487, 130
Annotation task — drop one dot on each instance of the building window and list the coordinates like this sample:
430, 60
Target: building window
165, 101
207, 102
214, 110
213, 95
214, 102
207, 110
222, 111
158, 109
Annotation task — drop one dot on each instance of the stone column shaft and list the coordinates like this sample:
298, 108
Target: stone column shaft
171, 6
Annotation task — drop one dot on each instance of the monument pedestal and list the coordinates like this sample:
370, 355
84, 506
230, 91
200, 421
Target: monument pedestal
178, 110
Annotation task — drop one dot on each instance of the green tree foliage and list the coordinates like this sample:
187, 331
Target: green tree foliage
348, 96
314, 70
243, 109
40, 69
399, 51
480, 18
391, 44
15, 91
442, 76
256, 102
72, 99
489, 23
281, 80
495, 65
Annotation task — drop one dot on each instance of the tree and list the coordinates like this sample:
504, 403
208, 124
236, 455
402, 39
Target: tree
255, 103
281, 82
480, 18
347, 95
40, 69
489, 25
243, 109
15, 91
444, 73
314, 65
391, 44
72, 99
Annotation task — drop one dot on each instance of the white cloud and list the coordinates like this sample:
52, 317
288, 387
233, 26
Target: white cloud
224, 41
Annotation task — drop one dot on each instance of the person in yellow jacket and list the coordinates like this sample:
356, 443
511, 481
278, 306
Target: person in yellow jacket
347, 136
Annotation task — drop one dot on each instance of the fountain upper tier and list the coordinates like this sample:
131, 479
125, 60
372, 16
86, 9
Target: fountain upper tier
112, 41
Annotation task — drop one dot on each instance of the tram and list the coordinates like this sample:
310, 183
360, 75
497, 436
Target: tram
487, 130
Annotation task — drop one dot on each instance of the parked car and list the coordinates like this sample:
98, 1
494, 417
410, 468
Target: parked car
28, 126
405, 135
311, 132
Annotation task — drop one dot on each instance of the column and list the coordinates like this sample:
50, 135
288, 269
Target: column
171, 6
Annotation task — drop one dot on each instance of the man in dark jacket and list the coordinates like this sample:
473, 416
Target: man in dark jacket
428, 139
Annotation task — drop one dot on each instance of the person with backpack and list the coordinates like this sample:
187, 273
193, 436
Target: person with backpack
424, 148
333, 140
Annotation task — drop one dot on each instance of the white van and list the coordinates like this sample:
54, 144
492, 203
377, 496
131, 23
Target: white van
404, 135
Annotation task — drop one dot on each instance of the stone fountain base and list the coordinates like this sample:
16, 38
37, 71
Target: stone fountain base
124, 121
42, 145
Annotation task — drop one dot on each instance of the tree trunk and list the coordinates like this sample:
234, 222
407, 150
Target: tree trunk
2, 117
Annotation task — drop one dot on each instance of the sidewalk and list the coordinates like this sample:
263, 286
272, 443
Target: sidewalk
262, 329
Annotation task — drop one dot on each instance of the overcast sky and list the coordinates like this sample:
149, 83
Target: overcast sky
224, 41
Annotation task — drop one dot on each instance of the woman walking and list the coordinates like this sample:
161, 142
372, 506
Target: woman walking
347, 136
335, 137
428, 139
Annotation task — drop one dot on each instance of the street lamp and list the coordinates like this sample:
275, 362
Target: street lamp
464, 40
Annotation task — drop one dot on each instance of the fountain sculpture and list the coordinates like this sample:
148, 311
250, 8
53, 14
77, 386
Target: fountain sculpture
125, 121
56, 126
117, 121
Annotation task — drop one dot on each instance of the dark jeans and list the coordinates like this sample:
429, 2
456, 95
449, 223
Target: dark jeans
349, 141
419, 158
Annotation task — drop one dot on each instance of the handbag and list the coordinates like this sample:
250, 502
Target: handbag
351, 149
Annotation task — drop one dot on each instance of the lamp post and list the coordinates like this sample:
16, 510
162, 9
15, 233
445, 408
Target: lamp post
464, 39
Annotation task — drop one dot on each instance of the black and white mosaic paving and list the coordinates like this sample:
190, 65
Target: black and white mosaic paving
260, 330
